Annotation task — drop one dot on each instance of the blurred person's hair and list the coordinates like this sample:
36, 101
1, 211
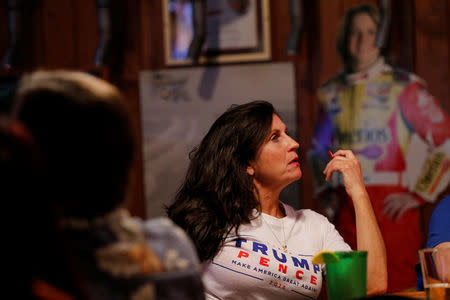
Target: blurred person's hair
83, 129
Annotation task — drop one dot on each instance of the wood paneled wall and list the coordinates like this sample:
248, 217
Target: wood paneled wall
64, 34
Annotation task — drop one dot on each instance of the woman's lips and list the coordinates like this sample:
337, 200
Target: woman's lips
294, 162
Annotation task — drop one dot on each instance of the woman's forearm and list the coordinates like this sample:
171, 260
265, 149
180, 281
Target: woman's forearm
369, 238
368, 233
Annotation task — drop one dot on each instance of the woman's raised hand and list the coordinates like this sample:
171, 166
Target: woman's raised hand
345, 162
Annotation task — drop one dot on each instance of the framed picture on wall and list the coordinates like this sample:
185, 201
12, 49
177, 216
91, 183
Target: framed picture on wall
236, 31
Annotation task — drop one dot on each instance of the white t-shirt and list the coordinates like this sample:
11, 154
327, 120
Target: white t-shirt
254, 265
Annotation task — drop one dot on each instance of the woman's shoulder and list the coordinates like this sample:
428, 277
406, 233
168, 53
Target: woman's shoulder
168, 239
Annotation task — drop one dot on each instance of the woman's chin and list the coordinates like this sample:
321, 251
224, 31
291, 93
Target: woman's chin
299, 172
297, 175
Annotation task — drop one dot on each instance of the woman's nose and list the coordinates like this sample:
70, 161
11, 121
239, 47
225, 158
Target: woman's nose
294, 145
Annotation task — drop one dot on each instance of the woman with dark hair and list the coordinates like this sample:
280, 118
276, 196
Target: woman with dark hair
397, 131
251, 244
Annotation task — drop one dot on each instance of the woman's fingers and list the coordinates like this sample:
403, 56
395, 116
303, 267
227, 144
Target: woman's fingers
345, 153
347, 168
345, 162
336, 164
342, 160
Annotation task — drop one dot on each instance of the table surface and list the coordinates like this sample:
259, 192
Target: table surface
413, 295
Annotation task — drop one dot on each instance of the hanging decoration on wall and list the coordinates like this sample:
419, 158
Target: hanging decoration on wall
15, 12
104, 21
199, 22
296, 17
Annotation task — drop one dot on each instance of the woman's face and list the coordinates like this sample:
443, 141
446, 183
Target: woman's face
276, 163
362, 41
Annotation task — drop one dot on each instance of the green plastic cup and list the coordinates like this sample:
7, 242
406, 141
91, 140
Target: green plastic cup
347, 279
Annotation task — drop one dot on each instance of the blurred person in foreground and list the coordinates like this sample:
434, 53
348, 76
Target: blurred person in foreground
438, 235
396, 130
38, 263
252, 245
83, 128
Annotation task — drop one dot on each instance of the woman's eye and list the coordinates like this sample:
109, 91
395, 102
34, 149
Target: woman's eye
274, 137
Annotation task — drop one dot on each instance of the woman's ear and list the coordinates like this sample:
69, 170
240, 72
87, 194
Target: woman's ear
250, 170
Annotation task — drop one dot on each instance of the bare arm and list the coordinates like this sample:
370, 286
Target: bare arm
444, 257
368, 234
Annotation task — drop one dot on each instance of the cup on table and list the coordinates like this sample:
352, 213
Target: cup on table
347, 279
435, 264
